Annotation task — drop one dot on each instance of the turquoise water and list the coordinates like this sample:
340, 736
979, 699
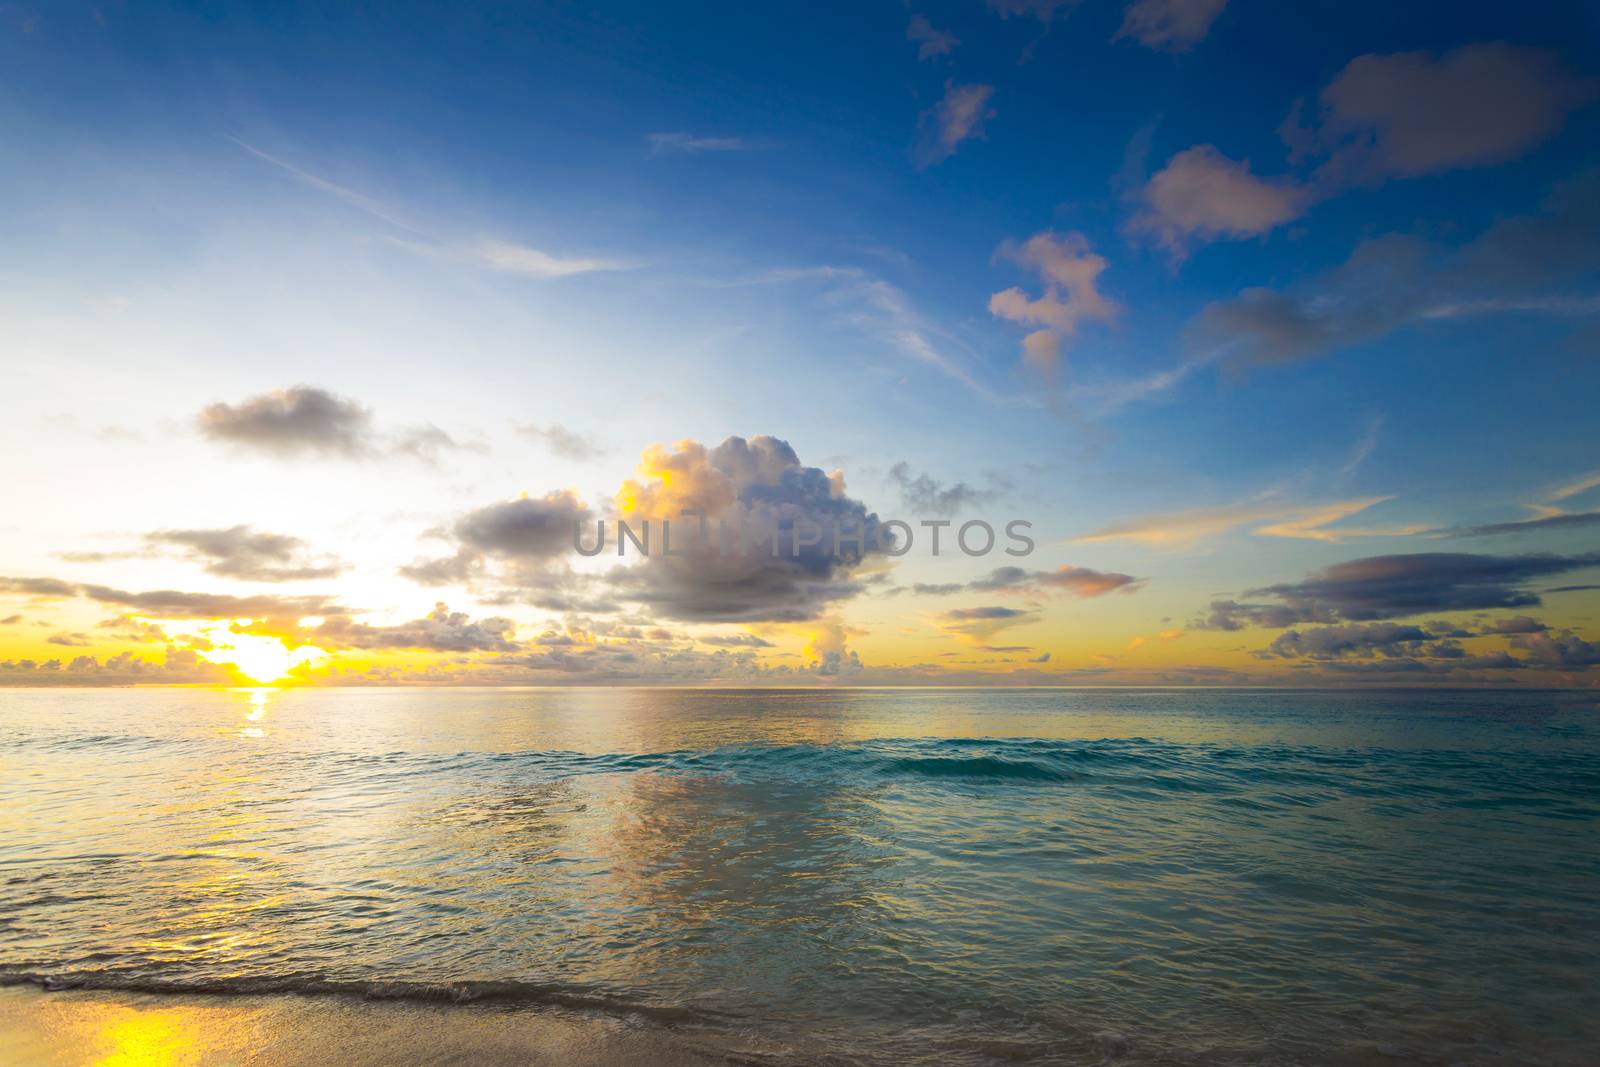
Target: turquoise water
940, 876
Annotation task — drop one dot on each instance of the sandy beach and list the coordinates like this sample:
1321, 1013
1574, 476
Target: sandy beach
42, 1028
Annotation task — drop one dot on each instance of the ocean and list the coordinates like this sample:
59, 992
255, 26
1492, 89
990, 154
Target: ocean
943, 876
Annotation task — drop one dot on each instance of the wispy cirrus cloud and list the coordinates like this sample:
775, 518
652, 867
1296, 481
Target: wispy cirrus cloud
491, 253
670, 141
1267, 516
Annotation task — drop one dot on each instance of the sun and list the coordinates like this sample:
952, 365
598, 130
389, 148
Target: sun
262, 659
257, 657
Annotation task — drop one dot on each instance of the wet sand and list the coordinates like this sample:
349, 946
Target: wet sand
55, 1029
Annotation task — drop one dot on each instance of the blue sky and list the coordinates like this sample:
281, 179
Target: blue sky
645, 224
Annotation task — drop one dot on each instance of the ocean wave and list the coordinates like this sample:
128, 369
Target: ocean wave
525, 994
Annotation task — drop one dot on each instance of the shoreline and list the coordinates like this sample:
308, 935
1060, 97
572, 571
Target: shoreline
57, 1028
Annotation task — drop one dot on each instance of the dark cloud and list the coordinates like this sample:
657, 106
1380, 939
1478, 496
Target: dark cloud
924, 496
49, 587
983, 622
1565, 651
1389, 587
300, 420
173, 604
1379, 287
1232, 615
1411, 113
1517, 265
1386, 587
248, 554
937, 588
304, 420
72, 640
735, 641
1577, 521
521, 536
1083, 582
1351, 640
1520, 624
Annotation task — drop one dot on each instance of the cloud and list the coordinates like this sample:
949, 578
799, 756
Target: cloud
521, 538
40, 587
426, 444
247, 554
1270, 517
883, 311
441, 630
300, 420
1409, 114
173, 604
1081, 582
304, 420
1520, 624
568, 444
957, 117
1043, 10
924, 496
1565, 651
1550, 512
512, 258
1389, 587
735, 641
1353, 639
180, 667
1202, 195
1170, 25
1573, 521
688, 143
492, 253
1071, 297
1392, 280
757, 486
931, 43
1384, 116
978, 624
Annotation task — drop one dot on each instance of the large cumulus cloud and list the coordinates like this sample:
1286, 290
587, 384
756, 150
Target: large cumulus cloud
751, 485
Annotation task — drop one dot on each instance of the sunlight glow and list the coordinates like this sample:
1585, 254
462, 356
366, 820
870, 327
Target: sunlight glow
257, 657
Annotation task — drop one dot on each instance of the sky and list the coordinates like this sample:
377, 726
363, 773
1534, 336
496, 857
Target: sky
326, 327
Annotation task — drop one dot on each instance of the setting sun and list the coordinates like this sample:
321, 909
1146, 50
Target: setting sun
256, 657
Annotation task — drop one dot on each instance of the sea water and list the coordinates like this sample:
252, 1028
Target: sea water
893, 875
